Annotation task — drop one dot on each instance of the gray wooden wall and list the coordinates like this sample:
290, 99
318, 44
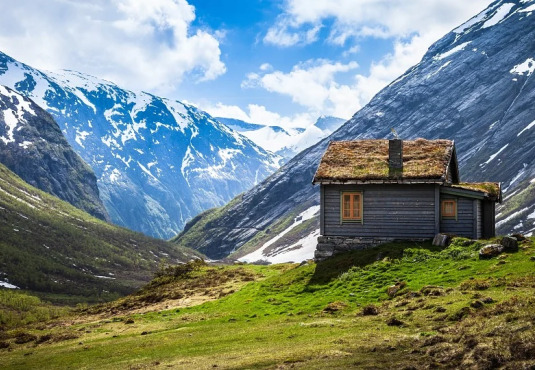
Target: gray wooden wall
393, 211
468, 222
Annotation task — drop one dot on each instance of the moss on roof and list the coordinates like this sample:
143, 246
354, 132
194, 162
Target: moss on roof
364, 160
491, 189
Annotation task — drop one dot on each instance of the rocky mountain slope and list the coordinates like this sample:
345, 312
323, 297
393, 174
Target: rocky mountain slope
158, 162
50, 247
475, 85
33, 146
285, 142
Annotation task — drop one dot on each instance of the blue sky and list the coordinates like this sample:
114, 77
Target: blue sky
279, 62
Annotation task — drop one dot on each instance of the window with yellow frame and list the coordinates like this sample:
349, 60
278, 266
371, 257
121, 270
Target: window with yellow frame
351, 208
448, 209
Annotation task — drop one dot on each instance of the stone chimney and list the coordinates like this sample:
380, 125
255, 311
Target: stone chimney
395, 154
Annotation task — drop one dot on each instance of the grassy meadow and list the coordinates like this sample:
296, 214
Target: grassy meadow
401, 306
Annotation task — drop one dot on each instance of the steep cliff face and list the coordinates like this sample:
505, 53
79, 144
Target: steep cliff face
33, 146
158, 162
475, 86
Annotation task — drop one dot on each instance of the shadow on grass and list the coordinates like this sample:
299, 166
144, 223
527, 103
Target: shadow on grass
331, 268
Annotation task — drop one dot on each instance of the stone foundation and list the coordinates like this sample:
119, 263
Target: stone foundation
330, 245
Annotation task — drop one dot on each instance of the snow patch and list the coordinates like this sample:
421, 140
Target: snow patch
12, 117
438, 70
478, 18
5, 284
500, 14
518, 176
526, 128
179, 113
530, 8
495, 155
526, 67
115, 175
80, 137
302, 217
511, 216
452, 51
104, 277
25, 144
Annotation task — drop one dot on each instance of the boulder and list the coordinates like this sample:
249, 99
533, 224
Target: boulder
509, 244
490, 250
442, 240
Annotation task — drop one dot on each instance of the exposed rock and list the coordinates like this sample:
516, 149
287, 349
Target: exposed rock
370, 310
394, 289
476, 304
487, 300
509, 244
394, 322
490, 250
33, 146
442, 240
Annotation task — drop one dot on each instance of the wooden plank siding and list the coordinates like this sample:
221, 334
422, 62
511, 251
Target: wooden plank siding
390, 211
322, 207
465, 224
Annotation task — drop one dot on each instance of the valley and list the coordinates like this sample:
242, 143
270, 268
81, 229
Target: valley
452, 309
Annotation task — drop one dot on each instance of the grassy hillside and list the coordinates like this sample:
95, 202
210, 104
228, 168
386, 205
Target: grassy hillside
50, 247
450, 310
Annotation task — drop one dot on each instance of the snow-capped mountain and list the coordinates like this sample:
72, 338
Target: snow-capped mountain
476, 85
285, 142
158, 162
33, 146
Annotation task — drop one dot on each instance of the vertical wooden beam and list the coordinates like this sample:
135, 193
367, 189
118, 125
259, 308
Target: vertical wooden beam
322, 209
489, 219
437, 209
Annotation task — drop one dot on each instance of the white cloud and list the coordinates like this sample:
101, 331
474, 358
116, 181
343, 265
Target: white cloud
281, 35
377, 18
311, 84
140, 44
266, 67
411, 25
260, 115
314, 84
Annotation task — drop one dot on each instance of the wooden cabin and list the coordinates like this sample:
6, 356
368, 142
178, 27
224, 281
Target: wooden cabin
376, 191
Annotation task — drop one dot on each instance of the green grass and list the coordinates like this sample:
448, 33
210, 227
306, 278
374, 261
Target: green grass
453, 310
54, 249
19, 309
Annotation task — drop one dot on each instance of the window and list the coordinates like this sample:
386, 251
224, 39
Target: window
351, 206
449, 208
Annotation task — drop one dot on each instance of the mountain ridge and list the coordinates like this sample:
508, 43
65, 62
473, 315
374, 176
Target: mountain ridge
285, 142
158, 162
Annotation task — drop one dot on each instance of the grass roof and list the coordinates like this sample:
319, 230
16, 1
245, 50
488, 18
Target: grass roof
491, 189
364, 160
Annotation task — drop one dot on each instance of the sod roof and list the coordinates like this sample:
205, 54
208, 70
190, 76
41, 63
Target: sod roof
491, 190
367, 160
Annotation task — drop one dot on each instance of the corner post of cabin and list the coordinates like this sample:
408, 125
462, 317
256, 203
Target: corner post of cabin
437, 209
